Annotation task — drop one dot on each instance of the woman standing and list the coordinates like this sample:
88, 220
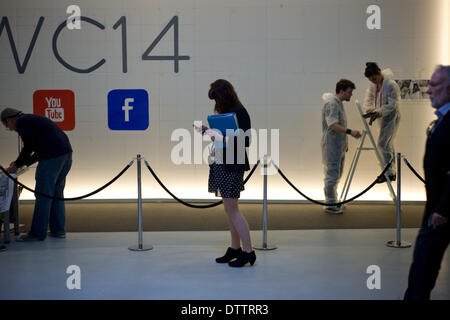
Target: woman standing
383, 97
226, 175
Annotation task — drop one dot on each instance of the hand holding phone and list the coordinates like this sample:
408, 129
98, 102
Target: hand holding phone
201, 129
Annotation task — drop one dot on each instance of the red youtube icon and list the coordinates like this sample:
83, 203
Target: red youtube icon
57, 105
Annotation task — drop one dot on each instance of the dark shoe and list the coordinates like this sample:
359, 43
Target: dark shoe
243, 259
57, 235
334, 209
229, 255
2, 248
382, 179
28, 237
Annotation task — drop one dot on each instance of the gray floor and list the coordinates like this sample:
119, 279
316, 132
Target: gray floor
308, 264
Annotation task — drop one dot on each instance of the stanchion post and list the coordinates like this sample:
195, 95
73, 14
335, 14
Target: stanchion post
399, 243
264, 244
140, 246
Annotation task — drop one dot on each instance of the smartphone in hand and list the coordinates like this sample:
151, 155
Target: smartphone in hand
202, 129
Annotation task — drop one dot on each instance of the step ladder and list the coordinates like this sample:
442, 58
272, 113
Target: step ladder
366, 133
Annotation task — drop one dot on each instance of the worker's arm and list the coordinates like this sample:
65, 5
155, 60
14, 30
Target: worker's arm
340, 129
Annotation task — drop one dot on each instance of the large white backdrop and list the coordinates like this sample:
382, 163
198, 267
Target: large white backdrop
281, 56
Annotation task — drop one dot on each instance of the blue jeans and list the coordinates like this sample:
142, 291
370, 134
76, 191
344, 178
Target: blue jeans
50, 179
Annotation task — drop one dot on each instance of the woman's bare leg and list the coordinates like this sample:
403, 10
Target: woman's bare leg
238, 224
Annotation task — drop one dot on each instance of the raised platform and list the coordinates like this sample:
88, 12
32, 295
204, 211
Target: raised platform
170, 216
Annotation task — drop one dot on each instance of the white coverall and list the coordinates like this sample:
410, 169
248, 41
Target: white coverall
334, 145
388, 105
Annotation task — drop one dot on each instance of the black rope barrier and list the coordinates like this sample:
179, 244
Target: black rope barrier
413, 170
337, 203
68, 199
189, 204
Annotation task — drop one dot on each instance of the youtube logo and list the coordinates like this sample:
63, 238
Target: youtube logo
57, 105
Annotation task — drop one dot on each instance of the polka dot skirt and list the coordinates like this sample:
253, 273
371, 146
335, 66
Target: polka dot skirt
225, 184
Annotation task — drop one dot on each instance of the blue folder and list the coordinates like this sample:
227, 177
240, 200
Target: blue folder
223, 122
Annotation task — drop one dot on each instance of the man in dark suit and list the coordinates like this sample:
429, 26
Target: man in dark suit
434, 234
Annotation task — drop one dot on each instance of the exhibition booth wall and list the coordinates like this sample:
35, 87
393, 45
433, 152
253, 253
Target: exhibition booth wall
152, 62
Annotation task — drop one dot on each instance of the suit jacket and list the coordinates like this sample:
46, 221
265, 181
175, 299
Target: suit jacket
437, 171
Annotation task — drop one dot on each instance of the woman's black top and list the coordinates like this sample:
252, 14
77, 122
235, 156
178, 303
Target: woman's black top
237, 159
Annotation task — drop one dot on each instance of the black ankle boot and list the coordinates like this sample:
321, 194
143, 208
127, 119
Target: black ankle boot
229, 255
243, 259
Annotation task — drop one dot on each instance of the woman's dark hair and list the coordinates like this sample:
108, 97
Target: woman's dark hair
223, 93
371, 69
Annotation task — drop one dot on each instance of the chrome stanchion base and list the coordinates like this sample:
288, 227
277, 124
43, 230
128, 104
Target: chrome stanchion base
396, 244
265, 248
140, 248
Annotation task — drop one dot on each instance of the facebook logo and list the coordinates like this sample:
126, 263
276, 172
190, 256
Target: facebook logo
128, 109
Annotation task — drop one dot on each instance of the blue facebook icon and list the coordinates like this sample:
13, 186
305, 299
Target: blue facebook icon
128, 109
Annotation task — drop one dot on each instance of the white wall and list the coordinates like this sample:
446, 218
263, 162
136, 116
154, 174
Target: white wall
280, 56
